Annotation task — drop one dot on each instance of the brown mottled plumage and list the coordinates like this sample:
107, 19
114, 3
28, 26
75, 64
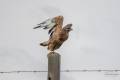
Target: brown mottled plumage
58, 35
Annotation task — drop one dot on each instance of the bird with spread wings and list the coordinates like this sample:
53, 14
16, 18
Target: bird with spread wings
58, 34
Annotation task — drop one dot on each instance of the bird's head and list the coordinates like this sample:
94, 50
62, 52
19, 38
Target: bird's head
68, 28
59, 20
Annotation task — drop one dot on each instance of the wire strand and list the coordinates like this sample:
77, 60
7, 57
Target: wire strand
83, 70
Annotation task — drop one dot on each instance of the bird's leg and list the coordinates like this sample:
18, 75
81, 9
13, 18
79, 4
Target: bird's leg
51, 51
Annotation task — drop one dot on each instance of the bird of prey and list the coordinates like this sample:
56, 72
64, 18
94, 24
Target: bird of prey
58, 34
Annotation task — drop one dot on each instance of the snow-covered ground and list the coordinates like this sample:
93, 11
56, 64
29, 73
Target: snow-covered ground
93, 43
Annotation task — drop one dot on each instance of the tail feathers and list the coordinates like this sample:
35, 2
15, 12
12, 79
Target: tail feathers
44, 43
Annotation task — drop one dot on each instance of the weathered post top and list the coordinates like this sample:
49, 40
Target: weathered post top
53, 66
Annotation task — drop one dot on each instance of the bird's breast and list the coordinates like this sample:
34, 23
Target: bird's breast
63, 37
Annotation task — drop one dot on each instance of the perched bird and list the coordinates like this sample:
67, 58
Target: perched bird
58, 34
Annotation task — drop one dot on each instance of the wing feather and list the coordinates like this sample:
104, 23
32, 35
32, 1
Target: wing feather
47, 24
50, 24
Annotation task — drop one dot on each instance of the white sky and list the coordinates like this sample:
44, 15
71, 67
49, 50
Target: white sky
94, 42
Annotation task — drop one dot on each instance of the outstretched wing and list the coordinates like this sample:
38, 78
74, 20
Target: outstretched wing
47, 24
50, 24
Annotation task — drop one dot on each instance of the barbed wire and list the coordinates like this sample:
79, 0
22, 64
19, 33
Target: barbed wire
82, 70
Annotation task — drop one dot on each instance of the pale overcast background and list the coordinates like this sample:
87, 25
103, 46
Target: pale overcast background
93, 44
